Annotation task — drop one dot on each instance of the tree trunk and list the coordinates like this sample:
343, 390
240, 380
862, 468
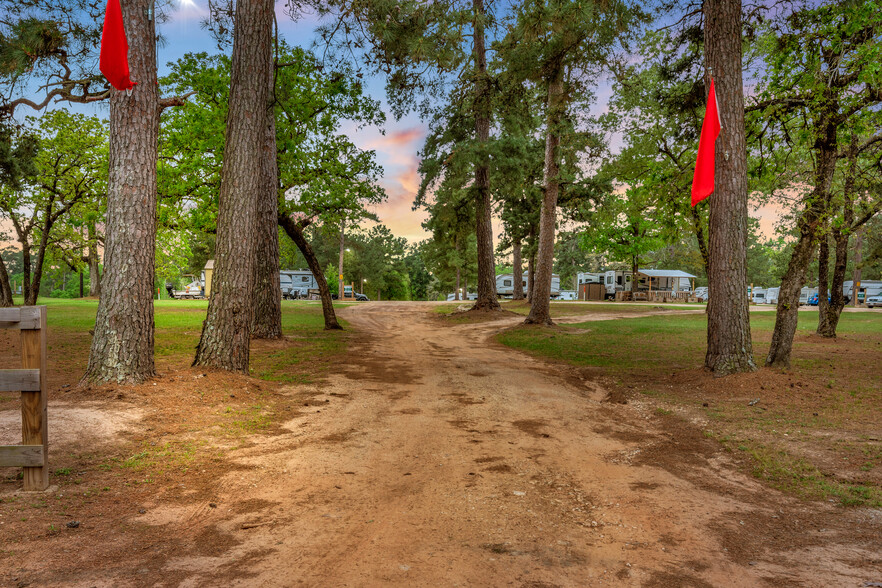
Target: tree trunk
808, 223
5, 287
540, 308
267, 319
37, 279
635, 267
340, 264
94, 264
699, 235
25, 268
226, 333
122, 347
293, 230
823, 282
487, 298
531, 276
465, 287
858, 259
458, 291
837, 297
729, 346
517, 275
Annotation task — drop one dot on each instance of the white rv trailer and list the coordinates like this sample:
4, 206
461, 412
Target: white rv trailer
505, 284
296, 283
866, 288
758, 296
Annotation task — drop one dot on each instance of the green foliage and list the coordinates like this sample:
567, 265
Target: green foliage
625, 227
324, 177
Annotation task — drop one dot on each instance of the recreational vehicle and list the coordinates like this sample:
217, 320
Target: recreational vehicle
759, 296
505, 285
296, 283
772, 295
805, 294
866, 288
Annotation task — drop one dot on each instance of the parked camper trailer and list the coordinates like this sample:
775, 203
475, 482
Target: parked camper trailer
805, 294
866, 288
296, 283
616, 281
772, 295
505, 285
758, 296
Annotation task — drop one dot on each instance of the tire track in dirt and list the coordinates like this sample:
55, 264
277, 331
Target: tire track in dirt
440, 460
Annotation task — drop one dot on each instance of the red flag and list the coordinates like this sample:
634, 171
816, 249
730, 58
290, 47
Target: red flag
114, 60
703, 181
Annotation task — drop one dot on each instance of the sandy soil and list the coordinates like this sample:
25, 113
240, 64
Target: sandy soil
433, 458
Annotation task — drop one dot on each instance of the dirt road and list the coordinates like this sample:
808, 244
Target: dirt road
440, 459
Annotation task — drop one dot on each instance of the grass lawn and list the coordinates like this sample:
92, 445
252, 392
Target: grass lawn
304, 357
186, 418
812, 430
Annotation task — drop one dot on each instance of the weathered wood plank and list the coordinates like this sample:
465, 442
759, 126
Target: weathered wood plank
15, 380
34, 420
24, 317
21, 456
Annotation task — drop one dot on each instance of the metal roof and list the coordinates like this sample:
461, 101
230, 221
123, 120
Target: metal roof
665, 273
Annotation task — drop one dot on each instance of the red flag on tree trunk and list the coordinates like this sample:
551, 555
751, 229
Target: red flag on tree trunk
114, 60
703, 181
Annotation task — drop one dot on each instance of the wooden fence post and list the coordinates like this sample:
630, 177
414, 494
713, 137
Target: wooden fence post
33, 453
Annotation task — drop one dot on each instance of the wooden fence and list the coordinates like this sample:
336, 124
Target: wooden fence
33, 453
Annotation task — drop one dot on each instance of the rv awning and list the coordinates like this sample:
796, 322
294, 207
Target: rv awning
665, 273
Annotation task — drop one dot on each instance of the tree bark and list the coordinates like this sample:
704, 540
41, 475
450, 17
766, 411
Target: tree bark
517, 276
540, 307
487, 298
340, 264
267, 319
94, 264
858, 259
122, 347
729, 346
5, 287
699, 235
823, 281
26, 268
531, 276
828, 315
635, 267
226, 333
794, 277
295, 231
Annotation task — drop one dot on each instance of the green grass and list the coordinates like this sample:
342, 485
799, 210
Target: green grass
780, 437
178, 328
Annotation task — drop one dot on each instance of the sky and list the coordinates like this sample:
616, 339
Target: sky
396, 145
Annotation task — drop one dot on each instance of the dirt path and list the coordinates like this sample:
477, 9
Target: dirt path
442, 460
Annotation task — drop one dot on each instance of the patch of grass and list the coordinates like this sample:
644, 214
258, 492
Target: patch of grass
246, 420
798, 476
793, 436
157, 459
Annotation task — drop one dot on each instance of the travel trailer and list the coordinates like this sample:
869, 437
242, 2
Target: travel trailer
296, 283
505, 285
